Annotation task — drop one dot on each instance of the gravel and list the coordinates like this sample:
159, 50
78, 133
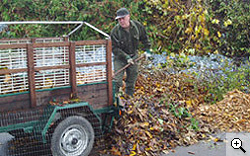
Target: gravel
209, 67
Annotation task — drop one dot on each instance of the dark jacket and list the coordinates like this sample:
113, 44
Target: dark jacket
125, 44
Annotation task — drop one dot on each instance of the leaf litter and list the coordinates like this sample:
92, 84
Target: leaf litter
158, 117
232, 114
170, 110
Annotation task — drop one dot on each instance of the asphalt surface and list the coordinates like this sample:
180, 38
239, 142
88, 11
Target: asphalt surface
203, 148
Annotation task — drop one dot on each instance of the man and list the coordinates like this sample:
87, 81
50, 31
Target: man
125, 37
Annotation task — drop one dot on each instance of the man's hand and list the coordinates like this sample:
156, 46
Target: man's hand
147, 54
130, 61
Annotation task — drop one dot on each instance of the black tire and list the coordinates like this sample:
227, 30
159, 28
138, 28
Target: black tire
74, 136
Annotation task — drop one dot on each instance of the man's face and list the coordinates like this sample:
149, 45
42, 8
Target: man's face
124, 21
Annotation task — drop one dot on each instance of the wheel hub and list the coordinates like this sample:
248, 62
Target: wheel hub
74, 140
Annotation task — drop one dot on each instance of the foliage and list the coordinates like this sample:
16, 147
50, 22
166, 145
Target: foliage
100, 13
160, 116
231, 21
178, 111
181, 26
210, 26
232, 78
178, 61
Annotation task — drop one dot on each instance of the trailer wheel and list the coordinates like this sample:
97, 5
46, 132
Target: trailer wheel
73, 136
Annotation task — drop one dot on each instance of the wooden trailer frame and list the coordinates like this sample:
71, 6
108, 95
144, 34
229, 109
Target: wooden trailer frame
36, 110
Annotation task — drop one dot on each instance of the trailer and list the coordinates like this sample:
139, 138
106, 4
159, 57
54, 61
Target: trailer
56, 95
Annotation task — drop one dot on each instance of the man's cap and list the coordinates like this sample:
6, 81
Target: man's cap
121, 13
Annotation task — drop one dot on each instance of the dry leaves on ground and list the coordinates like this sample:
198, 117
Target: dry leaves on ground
158, 118
232, 114
169, 110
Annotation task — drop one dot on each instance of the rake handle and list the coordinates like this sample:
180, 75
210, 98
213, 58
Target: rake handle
127, 65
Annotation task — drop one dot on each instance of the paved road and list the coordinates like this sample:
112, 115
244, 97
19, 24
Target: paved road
200, 149
203, 148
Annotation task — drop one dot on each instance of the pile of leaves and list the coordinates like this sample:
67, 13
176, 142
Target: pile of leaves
158, 117
181, 87
232, 114
170, 110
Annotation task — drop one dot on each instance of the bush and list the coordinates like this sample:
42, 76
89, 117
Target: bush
233, 24
100, 13
203, 27
211, 26
180, 26
219, 85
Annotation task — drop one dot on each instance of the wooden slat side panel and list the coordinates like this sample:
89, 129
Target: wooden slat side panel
31, 75
13, 46
58, 95
90, 42
15, 102
95, 95
72, 63
109, 71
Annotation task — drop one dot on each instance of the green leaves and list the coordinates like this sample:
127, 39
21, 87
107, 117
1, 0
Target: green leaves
231, 79
233, 17
98, 13
180, 24
178, 111
175, 26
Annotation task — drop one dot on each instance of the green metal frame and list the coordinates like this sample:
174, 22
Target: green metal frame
57, 108
31, 126
42, 127
27, 126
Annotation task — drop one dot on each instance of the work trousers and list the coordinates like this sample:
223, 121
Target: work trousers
131, 76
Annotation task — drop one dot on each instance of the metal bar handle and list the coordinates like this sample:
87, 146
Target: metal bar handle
59, 22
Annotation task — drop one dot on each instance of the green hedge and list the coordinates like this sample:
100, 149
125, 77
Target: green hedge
183, 26
234, 25
100, 13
